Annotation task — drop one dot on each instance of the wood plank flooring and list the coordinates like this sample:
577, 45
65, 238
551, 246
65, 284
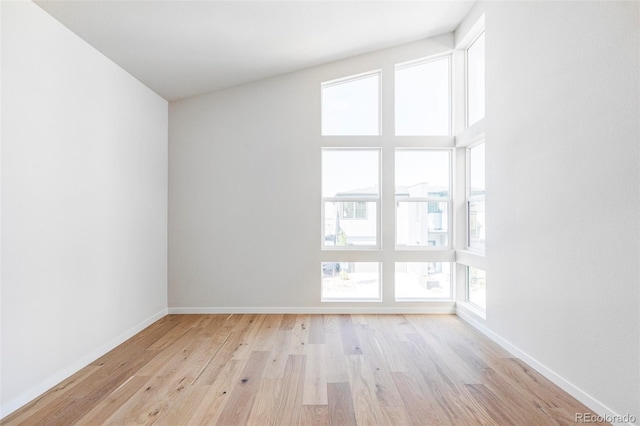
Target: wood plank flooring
304, 370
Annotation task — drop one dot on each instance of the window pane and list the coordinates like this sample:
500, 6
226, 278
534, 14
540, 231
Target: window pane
423, 280
350, 281
477, 287
422, 224
476, 224
353, 173
352, 107
350, 223
476, 170
475, 80
422, 99
422, 173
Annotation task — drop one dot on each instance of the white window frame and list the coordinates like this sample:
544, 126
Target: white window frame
370, 199
448, 200
422, 61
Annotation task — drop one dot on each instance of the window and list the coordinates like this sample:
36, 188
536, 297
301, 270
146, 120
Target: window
423, 280
350, 190
476, 198
351, 255
423, 198
353, 210
351, 281
475, 80
422, 94
477, 287
351, 106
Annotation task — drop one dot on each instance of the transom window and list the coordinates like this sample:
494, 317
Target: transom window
351, 106
422, 98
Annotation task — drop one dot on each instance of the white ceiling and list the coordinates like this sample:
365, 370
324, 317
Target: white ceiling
185, 48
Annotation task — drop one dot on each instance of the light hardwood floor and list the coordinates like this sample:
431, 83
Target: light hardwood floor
304, 370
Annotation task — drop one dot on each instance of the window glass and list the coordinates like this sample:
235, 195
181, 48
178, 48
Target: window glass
346, 225
351, 106
422, 99
352, 173
422, 173
476, 224
476, 203
475, 80
423, 280
350, 281
422, 224
477, 287
476, 170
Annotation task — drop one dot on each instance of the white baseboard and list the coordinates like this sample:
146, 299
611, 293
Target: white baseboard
561, 382
76, 366
315, 310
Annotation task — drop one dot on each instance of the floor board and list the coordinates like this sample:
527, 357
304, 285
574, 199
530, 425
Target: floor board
287, 369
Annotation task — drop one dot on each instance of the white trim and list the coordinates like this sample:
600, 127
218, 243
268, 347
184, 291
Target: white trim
77, 365
471, 258
564, 384
316, 310
350, 78
471, 135
467, 307
463, 41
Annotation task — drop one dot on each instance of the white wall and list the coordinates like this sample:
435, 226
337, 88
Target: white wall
562, 177
84, 195
244, 189
563, 205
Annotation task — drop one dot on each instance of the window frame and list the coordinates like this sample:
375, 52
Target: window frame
355, 199
447, 200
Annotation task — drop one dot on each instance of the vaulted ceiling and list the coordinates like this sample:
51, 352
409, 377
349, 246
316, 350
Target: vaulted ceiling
186, 48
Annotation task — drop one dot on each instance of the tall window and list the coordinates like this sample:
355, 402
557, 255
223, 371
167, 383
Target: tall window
351, 198
352, 253
475, 80
351, 106
476, 198
422, 95
423, 198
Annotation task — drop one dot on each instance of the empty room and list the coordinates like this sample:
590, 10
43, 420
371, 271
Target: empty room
320, 212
